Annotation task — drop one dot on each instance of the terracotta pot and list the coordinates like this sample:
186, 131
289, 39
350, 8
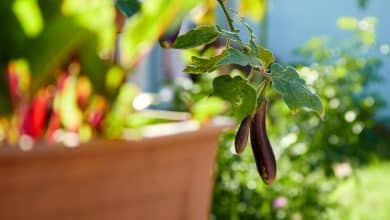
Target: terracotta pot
167, 177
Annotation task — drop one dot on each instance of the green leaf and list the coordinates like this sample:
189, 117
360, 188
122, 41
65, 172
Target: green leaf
202, 65
266, 56
235, 56
295, 92
196, 37
128, 7
229, 56
252, 38
238, 92
229, 35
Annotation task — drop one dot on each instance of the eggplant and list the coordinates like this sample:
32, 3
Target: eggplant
242, 134
261, 147
167, 39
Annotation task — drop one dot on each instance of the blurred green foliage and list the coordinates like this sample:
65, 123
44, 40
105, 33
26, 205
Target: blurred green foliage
57, 71
193, 95
49, 35
145, 27
314, 156
366, 192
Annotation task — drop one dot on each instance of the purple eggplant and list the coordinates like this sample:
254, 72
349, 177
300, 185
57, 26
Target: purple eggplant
242, 134
167, 39
262, 150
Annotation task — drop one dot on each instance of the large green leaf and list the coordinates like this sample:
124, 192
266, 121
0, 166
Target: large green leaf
205, 65
196, 37
294, 90
238, 92
202, 65
252, 38
229, 35
235, 56
229, 56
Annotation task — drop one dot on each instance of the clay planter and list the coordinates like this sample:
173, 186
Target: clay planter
167, 177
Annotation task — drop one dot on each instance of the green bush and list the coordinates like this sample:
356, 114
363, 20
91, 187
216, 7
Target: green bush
314, 156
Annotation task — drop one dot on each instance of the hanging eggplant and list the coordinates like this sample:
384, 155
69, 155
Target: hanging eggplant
242, 134
262, 150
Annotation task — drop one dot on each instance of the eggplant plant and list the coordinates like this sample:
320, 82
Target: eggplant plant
247, 94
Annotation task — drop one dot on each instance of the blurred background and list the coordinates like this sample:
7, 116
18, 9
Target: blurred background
60, 82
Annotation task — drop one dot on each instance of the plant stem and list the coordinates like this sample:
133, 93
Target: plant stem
251, 74
228, 18
262, 89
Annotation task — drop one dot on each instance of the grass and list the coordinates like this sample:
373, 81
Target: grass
367, 195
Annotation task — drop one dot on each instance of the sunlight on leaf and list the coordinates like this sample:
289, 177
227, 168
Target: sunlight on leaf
29, 16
